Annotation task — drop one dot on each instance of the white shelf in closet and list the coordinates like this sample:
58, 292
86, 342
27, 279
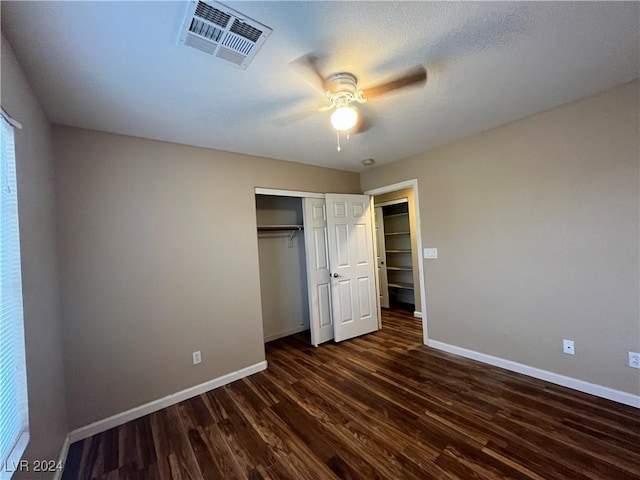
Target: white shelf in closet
405, 286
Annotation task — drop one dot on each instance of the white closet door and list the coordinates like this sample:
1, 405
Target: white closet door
353, 283
318, 275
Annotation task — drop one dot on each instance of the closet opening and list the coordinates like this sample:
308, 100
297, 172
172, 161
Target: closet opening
395, 255
398, 251
283, 271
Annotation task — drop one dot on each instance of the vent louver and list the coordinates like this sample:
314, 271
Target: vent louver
218, 30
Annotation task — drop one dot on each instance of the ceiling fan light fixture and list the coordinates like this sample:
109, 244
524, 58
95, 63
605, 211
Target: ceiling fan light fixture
344, 118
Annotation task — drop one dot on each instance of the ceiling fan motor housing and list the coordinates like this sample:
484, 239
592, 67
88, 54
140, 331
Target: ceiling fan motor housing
342, 82
342, 89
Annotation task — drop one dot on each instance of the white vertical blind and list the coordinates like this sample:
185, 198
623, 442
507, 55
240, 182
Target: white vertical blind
14, 424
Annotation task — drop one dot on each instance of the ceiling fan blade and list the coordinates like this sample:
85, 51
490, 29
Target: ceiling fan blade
414, 77
365, 121
364, 125
311, 63
287, 120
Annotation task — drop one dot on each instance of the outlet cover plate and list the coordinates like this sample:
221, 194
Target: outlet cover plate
197, 357
568, 347
634, 359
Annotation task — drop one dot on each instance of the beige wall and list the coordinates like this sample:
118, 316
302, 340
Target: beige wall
283, 271
159, 258
415, 255
43, 338
536, 225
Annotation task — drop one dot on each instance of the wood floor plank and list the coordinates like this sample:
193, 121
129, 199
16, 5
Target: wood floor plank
88, 457
319, 438
382, 406
161, 443
259, 473
242, 437
144, 442
488, 465
204, 456
307, 429
195, 412
176, 447
110, 450
600, 446
127, 451
225, 460
263, 388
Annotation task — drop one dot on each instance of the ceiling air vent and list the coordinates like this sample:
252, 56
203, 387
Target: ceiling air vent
218, 30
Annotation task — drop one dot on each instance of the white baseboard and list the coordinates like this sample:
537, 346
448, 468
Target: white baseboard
417, 314
137, 412
62, 458
286, 333
575, 384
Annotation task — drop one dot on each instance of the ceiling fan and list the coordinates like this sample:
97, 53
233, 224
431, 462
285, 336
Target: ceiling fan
342, 91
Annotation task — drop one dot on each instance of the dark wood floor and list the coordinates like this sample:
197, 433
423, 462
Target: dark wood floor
382, 406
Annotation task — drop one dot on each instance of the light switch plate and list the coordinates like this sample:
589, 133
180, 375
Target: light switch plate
430, 253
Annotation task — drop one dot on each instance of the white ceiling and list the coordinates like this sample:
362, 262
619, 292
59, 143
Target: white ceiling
117, 67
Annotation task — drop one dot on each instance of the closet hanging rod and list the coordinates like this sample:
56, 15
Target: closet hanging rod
280, 228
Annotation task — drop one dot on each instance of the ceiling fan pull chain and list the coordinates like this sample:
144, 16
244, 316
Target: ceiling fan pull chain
338, 137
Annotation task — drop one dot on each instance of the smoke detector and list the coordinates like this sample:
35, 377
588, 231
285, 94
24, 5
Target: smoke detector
222, 32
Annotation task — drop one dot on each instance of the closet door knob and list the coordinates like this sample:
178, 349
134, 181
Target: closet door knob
335, 275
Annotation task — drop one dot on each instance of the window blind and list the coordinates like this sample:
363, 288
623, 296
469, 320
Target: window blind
14, 424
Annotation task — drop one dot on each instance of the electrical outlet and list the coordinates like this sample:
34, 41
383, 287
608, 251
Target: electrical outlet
634, 359
567, 347
197, 358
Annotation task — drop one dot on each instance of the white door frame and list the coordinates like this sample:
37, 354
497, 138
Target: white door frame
380, 256
286, 193
413, 184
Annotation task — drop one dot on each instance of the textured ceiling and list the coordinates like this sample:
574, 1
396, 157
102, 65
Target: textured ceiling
117, 67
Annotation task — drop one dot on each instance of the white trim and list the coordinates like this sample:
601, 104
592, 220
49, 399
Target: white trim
12, 121
417, 314
62, 458
287, 193
391, 202
12, 464
286, 333
413, 184
574, 383
142, 410
376, 276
